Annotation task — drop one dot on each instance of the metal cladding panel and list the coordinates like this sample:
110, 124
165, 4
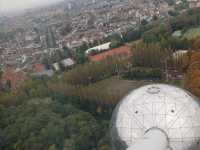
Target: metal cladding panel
169, 108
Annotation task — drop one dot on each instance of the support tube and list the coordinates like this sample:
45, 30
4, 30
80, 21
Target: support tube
154, 139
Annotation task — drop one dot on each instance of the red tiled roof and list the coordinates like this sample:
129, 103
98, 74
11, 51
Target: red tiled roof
38, 67
123, 51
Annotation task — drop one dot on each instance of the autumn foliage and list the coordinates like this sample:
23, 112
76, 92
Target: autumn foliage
191, 67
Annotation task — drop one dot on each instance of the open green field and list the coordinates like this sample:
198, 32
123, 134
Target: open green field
112, 90
192, 33
119, 86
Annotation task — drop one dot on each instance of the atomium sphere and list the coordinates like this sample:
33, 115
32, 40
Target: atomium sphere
171, 109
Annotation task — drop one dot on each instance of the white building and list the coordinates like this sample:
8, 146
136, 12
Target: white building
67, 62
98, 48
56, 66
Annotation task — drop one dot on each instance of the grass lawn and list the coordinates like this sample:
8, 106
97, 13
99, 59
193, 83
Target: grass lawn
115, 88
118, 85
112, 90
192, 33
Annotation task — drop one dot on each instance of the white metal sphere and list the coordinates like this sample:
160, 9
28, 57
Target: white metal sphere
166, 107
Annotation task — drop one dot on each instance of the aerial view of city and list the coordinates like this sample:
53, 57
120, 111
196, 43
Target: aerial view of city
99, 74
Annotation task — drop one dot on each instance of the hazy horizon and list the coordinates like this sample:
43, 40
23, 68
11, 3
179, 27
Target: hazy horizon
7, 6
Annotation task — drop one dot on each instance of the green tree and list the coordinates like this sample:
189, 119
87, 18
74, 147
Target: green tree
84, 129
47, 124
149, 55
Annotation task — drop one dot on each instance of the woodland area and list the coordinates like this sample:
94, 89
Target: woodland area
72, 110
